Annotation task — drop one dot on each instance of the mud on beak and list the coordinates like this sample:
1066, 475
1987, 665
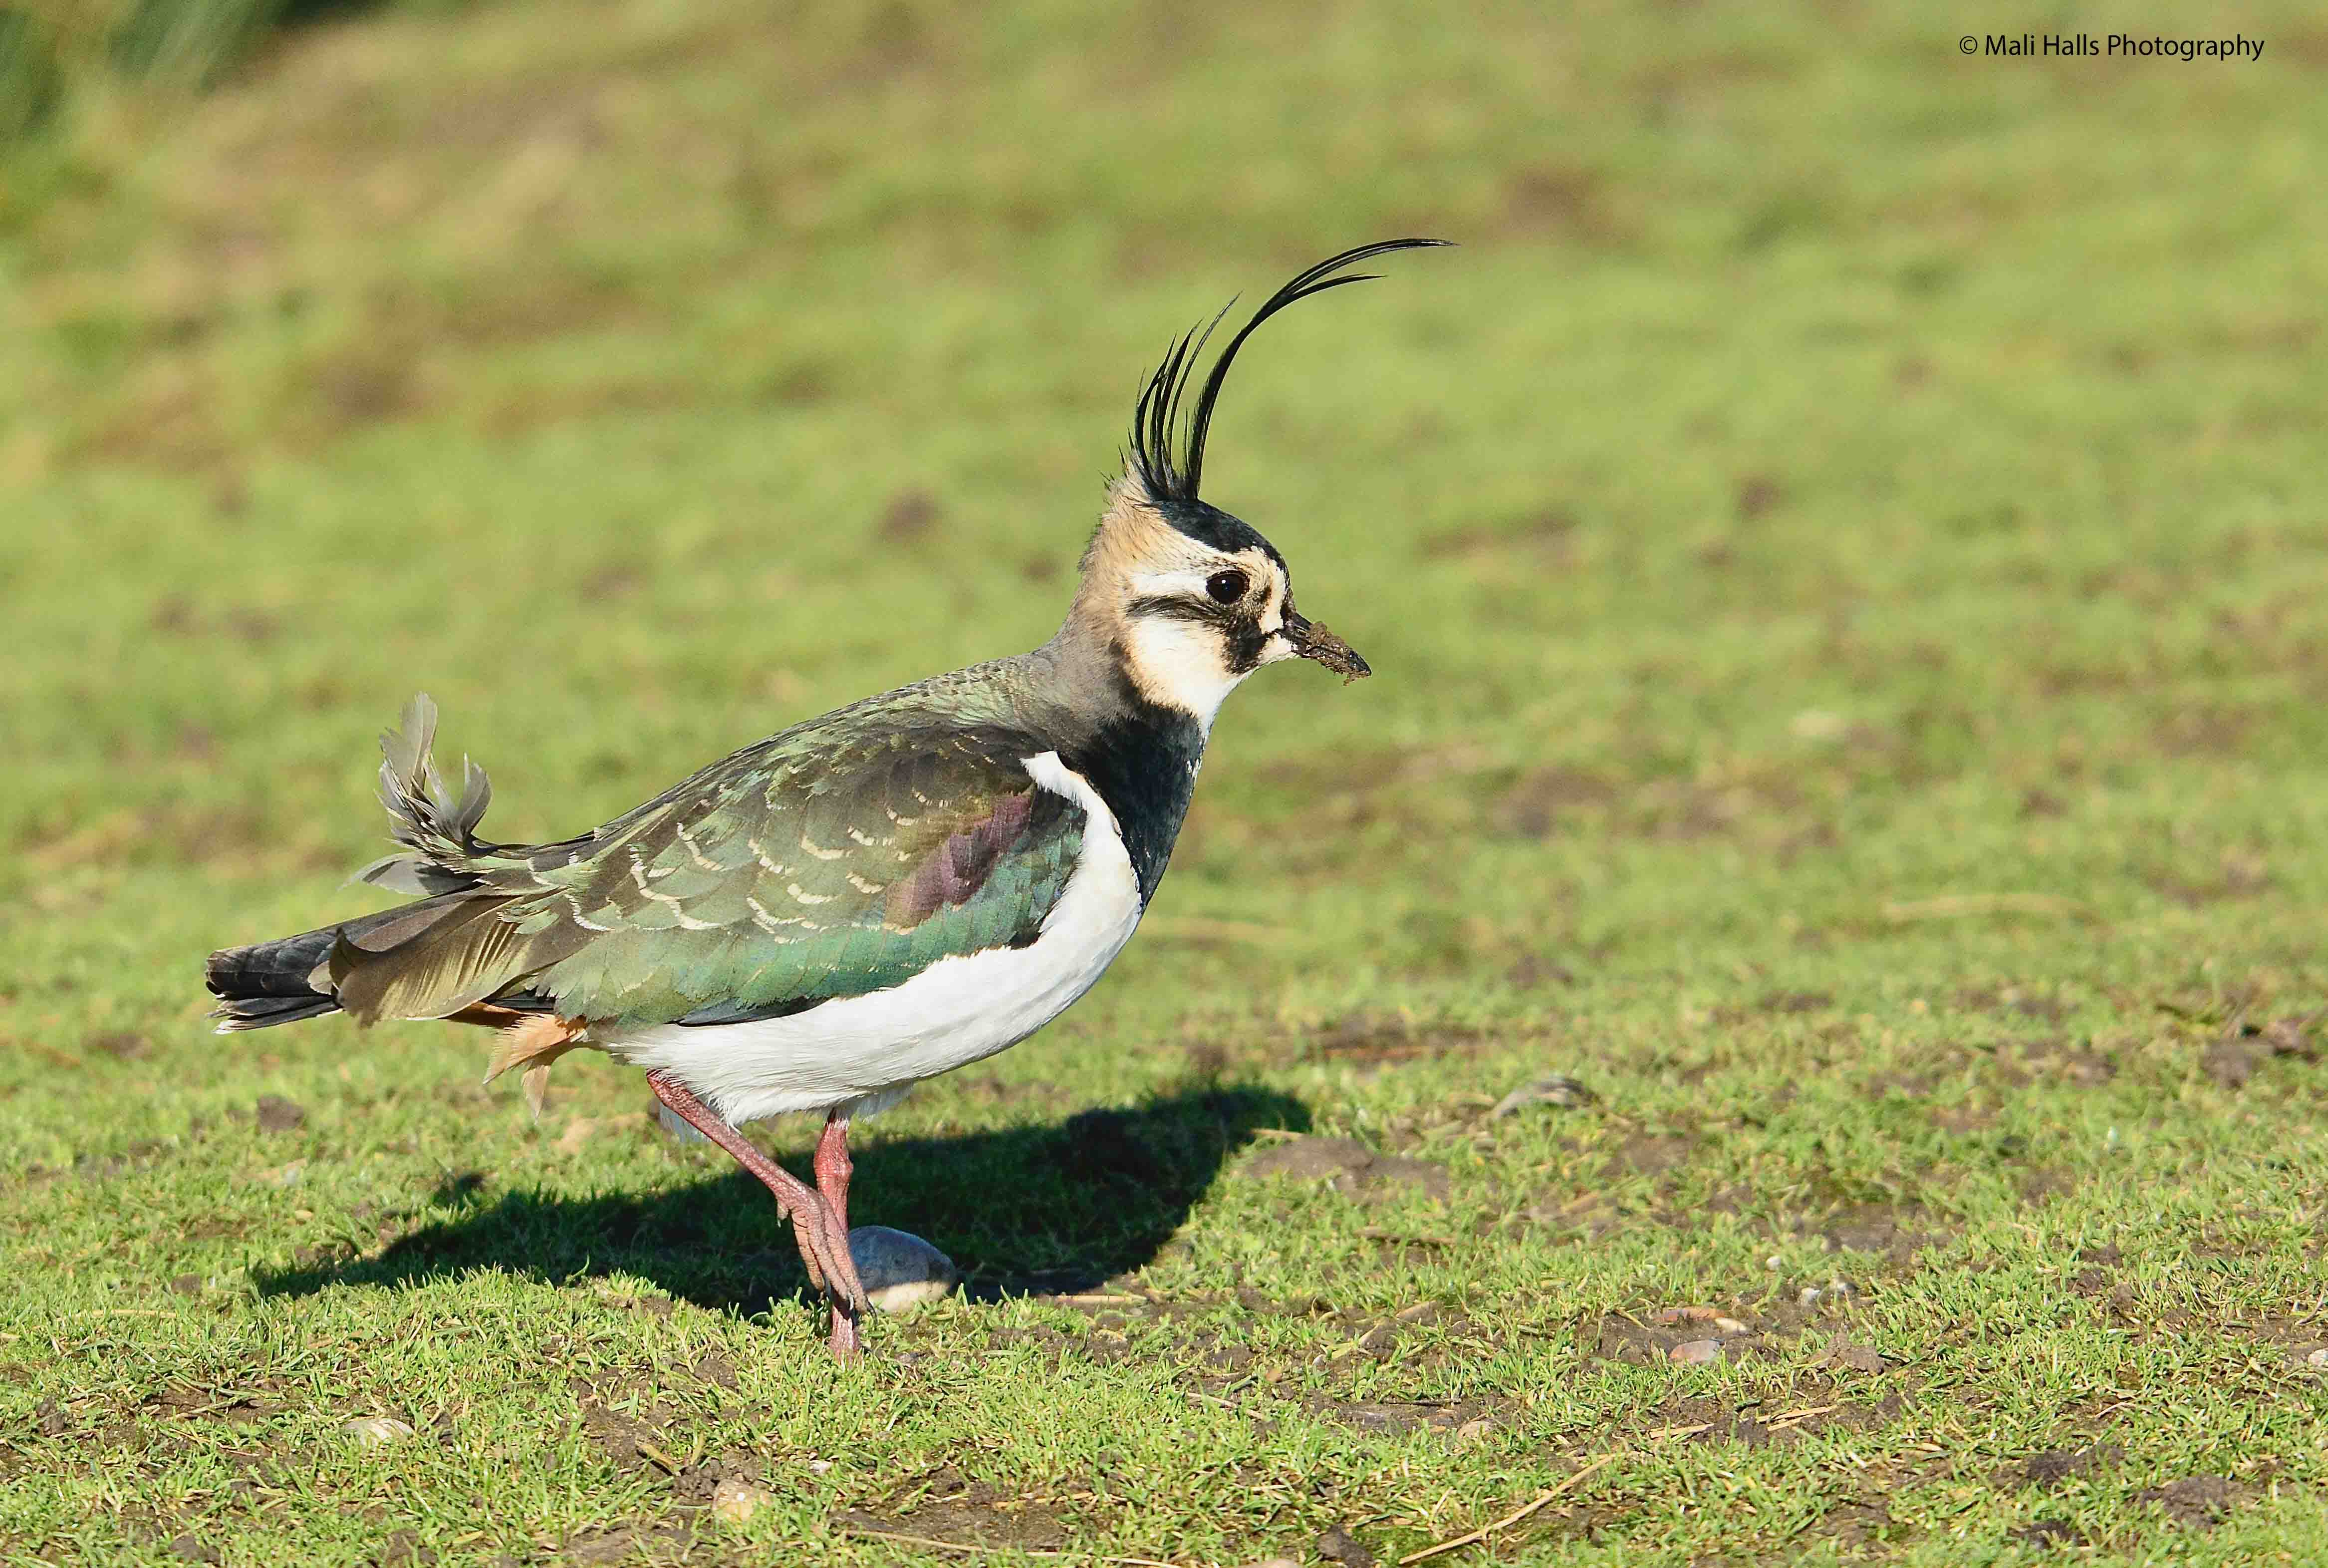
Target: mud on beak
1311, 639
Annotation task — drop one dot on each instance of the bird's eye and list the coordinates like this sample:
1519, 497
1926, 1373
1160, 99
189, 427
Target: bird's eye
1226, 587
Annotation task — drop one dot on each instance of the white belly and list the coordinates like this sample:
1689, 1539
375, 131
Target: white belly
872, 1048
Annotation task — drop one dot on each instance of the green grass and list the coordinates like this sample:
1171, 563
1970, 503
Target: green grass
1844, 548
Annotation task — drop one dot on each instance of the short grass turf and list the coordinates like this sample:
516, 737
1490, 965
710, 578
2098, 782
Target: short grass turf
1844, 545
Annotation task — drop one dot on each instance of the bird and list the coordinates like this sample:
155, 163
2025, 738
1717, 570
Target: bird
822, 920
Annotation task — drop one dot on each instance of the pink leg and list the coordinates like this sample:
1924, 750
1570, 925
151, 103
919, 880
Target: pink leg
796, 1200
833, 1168
833, 1165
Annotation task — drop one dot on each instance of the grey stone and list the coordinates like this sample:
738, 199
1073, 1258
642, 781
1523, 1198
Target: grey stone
371, 1432
1560, 1090
899, 1271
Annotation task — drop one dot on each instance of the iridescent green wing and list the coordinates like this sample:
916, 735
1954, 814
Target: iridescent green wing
815, 866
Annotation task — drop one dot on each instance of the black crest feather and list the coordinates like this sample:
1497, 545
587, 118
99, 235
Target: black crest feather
1169, 455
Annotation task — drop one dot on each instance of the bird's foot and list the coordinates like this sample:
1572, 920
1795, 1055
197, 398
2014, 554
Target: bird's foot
846, 1291
823, 1244
823, 1241
845, 1342
840, 1265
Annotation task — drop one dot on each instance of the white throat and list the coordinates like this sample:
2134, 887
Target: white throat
1175, 665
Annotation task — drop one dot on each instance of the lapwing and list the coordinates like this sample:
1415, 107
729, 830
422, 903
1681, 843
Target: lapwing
829, 916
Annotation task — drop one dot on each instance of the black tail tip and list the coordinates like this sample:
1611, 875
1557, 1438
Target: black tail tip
260, 1013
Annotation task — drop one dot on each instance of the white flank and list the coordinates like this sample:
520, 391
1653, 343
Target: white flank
864, 1051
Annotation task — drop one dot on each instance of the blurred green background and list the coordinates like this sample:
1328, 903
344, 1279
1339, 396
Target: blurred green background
1843, 544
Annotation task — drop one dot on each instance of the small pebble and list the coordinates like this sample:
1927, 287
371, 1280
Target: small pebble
735, 1502
2318, 1357
1774, 1261
372, 1431
1474, 1431
1560, 1090
1835, 1292
899, 1271
1686, 1314
1730, 1325
1695, 1352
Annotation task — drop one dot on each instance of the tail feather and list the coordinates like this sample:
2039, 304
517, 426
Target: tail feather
430, 959
442, 954
281, 968
437, 828
280, 981
290, 978
264, 1013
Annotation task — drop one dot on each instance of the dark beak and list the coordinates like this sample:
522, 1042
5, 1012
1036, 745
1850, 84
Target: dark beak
1311, 639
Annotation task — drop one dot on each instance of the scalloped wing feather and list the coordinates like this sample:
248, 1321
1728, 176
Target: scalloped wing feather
810, 879
839, 858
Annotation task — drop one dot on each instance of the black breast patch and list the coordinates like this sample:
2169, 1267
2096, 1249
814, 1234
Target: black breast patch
1143, 763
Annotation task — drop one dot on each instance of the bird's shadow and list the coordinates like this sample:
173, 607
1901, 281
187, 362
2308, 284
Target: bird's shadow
1024, 1210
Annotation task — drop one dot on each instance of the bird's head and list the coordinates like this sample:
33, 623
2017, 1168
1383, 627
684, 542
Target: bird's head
1188, 599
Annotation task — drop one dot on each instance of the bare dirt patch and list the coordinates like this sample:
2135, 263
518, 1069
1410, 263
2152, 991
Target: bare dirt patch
1964, 1118
627, 1544
1375, 1039
2043, 1185
626, 1424
2232, 1057
1816, 1404
275, 1115
1672, 1335
1684, 811
944, 1506
1648, 1154
714, 1367
1540, 802
2062, 1062
1338, 1545
1892, 1229
1348, 1166
2235, 876
1392, 1418
910, 517
121, 1044
2049, 1470
2013, 1001
2049, 1533
2197, 1502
